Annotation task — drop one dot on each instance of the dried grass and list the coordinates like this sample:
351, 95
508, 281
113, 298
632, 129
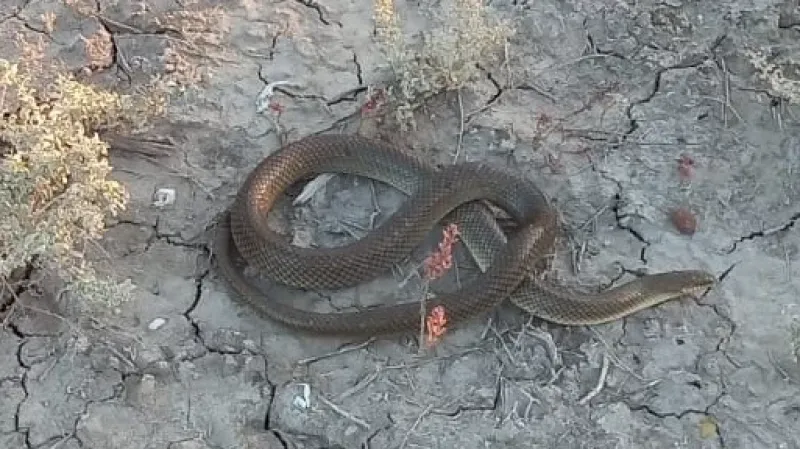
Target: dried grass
447, 58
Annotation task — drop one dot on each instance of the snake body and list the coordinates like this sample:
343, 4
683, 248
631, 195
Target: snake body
451, 194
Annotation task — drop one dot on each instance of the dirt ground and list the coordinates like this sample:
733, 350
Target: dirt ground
620, 110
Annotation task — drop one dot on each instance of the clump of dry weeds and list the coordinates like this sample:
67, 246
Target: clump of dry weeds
56, 192
55, 186
448, 57
779, 84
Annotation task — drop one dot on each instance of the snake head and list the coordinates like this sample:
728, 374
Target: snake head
695, 281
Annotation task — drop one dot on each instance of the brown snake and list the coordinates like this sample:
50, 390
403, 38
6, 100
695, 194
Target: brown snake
449, 194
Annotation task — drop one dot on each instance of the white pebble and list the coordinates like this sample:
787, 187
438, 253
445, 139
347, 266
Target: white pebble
164, 197
305, 400
156, 324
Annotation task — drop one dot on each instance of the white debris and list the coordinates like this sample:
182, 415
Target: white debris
312, 187
262, 101
304, 401
164, 197
156, 324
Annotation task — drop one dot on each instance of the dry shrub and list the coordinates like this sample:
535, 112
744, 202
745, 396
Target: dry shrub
772, 73
55, 189
447, 58
57, 192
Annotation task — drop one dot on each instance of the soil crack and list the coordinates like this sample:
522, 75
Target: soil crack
315, 6
359, 70
789, 224
693, 61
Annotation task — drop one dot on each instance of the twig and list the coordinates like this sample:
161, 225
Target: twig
457, 273
486, 329
63, 440
18, 301
344, 413
359, 386
469, 115
601, 381
413, 272
538, 90
422, 362
593, 217
414, 426
139, 145
461, 126
341, 351
114, 329
545, 337
376, 207
616, 360
504, 345
786, 376
779, 117
577, 255
422, 315
562, 65
9, 313
531, 399
727, 82
724, 105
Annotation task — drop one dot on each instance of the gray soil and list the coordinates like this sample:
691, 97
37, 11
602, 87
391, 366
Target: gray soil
605, 99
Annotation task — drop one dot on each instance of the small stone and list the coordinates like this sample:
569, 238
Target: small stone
156, 324
708, 427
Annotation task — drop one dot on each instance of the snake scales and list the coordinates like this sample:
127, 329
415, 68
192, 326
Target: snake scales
448, 194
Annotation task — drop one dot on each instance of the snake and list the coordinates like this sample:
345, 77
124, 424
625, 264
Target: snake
511, 266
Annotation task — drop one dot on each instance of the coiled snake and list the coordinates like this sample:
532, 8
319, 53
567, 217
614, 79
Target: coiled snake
510, 265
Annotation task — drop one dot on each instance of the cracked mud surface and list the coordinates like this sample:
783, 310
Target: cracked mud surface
606, 98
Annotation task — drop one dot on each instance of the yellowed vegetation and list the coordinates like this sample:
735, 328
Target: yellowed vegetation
446, 59
773, 74
55, 190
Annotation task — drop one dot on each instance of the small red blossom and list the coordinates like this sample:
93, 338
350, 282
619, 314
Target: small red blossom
441, 260
276, 107
376, 99
686, 167
436, 324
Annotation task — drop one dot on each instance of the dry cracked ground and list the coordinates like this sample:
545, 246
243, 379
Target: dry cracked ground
621, 111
